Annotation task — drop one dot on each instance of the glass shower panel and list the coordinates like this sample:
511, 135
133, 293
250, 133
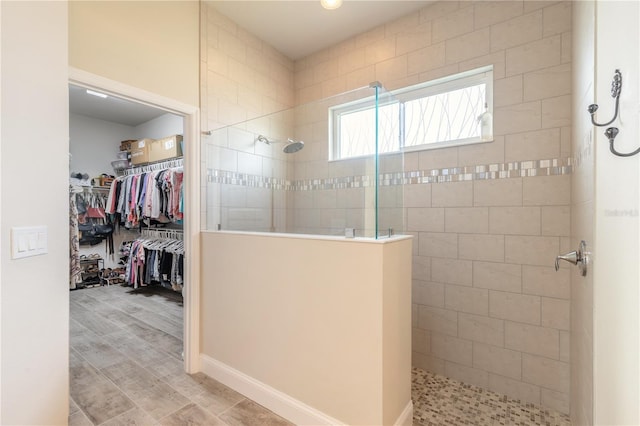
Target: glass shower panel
328, 196
390, 166
274, 173
246, 175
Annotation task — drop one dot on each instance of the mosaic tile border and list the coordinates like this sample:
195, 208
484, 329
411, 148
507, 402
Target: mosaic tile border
245, 179
530, 168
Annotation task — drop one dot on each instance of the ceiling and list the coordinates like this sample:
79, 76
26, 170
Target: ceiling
113, 109
298, 28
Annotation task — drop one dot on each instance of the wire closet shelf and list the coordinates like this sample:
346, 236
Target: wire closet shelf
173, 234
152, 167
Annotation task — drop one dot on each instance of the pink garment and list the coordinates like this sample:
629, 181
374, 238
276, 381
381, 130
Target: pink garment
176, 185
148, 201
132, 216
137, 264
112, 202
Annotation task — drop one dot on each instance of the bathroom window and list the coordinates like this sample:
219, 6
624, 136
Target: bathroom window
450, 111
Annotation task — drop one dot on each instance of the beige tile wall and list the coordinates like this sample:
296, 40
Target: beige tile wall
242, 77
488, 307
242, 80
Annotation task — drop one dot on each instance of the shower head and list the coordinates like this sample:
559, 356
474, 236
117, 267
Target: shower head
290, 147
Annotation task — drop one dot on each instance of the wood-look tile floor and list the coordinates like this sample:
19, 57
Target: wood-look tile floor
126, 365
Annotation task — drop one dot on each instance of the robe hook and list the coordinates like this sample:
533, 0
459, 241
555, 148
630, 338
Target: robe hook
616, 89
611, 134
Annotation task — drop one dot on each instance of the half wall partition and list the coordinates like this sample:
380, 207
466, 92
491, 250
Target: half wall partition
314, 169
317, 168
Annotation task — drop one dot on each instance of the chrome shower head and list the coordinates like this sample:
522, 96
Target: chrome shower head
292, 146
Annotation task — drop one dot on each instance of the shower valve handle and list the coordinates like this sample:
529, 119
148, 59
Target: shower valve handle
578, 257
571, 257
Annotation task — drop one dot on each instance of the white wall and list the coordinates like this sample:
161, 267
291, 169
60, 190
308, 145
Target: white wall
616, 245
160, 127
94, 144
35, 290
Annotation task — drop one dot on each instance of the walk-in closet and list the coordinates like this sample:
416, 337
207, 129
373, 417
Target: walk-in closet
126, 260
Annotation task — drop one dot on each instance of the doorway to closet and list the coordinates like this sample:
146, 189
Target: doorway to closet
128, 271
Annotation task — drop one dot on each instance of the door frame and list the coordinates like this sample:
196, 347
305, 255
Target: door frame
191, 149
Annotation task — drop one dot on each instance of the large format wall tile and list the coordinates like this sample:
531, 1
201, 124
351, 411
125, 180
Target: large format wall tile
484, 246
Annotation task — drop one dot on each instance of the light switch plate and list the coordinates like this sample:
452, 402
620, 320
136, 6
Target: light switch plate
28, 241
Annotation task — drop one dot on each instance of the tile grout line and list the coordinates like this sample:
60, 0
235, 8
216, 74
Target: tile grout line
174, 412
244, 398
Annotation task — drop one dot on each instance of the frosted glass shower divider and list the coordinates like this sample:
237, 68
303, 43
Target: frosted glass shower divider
252, 185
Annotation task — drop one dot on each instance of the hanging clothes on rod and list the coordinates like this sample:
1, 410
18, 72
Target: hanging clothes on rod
153, 195
92, 222
156, 260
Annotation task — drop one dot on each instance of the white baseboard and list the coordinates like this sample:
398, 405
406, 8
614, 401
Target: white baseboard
280, 403
406, 417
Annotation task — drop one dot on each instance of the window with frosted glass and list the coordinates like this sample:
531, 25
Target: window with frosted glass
444, 117
357, 131
450, 111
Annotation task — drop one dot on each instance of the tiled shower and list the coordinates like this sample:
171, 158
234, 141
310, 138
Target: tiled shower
301, 192
488, 219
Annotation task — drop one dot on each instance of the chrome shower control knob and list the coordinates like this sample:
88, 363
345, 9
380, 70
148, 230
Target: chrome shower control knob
578, 257
571, 257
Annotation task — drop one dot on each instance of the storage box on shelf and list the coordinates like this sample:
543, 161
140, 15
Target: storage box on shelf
148, 150
127, 145
140, 151
165, 148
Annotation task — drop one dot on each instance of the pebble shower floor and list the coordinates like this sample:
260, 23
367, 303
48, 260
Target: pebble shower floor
438, 400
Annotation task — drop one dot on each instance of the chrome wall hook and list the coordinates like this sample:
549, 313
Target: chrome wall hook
611, 134
616, 89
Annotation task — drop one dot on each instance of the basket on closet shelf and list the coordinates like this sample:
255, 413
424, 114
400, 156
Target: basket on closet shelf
106, 180
119, 165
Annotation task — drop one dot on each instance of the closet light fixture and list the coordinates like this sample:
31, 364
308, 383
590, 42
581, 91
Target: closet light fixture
331, 4
98, 94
